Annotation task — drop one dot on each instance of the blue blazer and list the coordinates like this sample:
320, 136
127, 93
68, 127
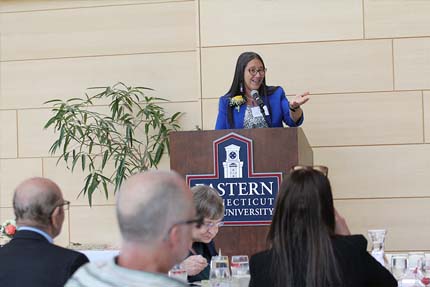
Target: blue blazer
279, 112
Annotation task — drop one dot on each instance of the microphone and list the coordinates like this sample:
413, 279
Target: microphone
256, 96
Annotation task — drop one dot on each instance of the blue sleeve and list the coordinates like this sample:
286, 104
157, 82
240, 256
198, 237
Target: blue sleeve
285, 107
222, 119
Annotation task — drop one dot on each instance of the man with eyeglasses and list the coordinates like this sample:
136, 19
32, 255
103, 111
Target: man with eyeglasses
155, 215
31, 258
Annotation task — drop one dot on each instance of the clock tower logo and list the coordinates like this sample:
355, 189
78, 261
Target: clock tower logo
248, 196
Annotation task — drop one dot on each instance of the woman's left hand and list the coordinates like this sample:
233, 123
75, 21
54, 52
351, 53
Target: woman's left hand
299, 100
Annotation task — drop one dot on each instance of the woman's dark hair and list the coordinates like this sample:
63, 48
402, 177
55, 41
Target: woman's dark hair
302, 225
237, 86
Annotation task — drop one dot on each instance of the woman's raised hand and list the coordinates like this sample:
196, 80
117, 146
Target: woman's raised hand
299, 100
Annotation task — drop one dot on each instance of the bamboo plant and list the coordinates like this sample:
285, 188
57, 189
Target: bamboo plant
133, 135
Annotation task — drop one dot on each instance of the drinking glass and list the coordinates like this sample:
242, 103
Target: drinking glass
178, 272
399, 265
426, 270
377, 238
416, 261
240, 270
219, 275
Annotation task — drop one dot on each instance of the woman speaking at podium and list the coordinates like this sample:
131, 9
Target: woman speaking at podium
250, 103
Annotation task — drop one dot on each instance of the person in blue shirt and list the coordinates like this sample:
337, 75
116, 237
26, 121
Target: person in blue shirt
250, 103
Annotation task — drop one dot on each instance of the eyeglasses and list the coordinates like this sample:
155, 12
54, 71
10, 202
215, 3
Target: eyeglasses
320, 168
65, 204
254, 71
210, 225
197, 221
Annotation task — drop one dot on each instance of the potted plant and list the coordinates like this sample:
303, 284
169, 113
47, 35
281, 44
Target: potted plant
133, 134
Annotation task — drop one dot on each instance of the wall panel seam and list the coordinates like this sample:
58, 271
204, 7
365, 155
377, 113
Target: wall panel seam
200, 62
309, 42
95, 6
99, 56
369, 145
423, 116
363, 19
392, 65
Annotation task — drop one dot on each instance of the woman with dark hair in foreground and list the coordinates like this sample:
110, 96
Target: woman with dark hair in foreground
306, 248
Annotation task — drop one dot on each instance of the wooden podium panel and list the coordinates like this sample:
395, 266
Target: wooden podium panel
274, 150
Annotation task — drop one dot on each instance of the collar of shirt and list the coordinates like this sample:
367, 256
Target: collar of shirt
37, 230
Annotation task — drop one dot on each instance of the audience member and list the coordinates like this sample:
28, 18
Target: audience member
31, 258
305, 249
155, 216
209, 206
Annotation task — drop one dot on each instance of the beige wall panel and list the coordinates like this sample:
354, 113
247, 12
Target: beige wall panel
6, 213
350, 66
95, 225
396, 18
371, 118
210, 113
61, 240
8, 139
412, 63
33, 140
91, 31
164, 163
377, 171
426, 104
13, 172
403, 218
72, 183
28, 5
191, 117
253, 22
174, 76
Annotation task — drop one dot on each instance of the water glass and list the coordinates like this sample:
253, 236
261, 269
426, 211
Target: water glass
178, 272
240, 270
399, 265
219, 275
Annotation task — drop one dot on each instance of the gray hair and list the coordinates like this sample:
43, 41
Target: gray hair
207, 202
35, 199
160, 203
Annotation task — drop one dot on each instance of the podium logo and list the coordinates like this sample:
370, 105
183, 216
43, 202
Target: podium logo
248, 196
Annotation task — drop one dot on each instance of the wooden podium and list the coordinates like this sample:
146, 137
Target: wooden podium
274, 150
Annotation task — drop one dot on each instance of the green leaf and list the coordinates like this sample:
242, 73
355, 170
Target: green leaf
83, 160
105, 157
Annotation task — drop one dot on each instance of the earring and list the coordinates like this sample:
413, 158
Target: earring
241, 88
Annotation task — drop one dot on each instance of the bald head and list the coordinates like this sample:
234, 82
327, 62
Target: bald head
149, 203
34, 199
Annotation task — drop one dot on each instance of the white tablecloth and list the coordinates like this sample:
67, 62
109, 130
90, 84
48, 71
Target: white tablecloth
99, 255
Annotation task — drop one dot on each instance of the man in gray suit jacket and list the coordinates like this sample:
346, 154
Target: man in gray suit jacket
31, 258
